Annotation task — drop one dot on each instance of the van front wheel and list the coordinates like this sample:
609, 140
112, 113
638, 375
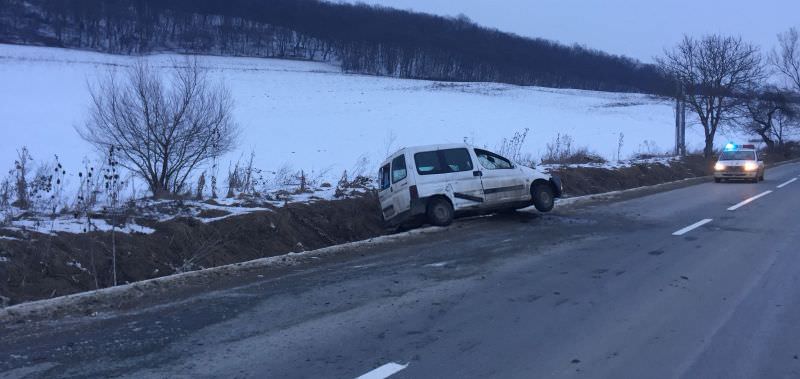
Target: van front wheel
440, 212
543, 197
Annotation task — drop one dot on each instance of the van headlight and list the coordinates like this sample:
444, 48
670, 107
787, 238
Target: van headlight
750, 166
719, 166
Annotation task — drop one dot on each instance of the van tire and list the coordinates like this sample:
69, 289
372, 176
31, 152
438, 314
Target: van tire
440, 212
543, 198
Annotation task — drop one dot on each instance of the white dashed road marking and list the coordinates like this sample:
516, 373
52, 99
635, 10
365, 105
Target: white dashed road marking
748, 201
692, 227
787, 183
384, 371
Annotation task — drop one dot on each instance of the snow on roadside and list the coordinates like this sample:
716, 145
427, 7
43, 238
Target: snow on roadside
207, 211
232, 211
666, 161
69, 224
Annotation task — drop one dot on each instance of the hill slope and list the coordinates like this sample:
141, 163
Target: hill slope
309, 116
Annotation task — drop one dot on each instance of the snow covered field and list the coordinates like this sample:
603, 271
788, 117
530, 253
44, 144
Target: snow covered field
310, 116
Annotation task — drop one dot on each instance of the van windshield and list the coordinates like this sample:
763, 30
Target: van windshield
442, 161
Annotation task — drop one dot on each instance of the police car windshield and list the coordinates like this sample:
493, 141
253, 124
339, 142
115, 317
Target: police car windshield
737, 156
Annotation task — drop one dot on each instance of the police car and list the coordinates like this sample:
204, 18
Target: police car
739, 162
439, 181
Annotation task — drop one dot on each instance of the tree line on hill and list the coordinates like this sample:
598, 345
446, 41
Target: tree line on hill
360, 38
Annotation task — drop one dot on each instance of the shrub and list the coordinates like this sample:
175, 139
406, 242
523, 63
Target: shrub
511, 147
21, 171
561, 151
649, 149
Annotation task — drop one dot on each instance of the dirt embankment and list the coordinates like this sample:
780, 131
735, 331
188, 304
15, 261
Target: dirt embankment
37, 266
40, 266
590, 180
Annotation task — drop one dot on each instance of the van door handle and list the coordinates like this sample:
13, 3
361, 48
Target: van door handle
477, 173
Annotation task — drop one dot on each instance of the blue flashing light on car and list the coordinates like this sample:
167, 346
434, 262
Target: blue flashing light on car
732, 147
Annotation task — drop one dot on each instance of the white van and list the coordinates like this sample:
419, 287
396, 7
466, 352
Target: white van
437, 182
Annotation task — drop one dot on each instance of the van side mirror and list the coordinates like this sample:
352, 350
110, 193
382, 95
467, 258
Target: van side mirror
477, 173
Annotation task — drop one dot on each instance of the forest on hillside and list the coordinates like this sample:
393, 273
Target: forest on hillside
360, 38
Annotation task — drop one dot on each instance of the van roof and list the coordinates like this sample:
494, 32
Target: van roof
418, 148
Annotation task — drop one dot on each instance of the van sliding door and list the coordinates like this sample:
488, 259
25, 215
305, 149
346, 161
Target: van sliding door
452, 170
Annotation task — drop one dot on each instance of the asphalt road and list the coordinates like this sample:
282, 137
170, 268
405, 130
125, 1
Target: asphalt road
614, 289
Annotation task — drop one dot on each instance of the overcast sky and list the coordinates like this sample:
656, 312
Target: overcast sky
636, 28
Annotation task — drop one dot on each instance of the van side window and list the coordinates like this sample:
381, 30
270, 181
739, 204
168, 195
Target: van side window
492, 161
384, 175
457, 159
399, 169
443, 161
428, 163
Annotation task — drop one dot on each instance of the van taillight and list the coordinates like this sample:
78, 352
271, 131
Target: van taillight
413, 191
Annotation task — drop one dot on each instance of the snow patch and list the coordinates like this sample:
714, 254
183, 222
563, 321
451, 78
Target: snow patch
77, 265
75, 226
666, 161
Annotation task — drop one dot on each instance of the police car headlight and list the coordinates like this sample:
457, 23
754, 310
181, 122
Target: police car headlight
750, 166
719, 166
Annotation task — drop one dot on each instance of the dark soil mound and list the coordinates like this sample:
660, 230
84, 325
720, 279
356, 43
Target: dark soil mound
589, 180
41, 266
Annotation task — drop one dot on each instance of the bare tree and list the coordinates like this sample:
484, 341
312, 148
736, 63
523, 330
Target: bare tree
769, 114
21, 171
713, 73
786, 58
163, 129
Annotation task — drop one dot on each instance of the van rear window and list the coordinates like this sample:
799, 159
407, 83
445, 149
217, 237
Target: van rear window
442, 161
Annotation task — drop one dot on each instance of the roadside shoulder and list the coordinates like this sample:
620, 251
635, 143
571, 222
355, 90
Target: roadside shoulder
113, 298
